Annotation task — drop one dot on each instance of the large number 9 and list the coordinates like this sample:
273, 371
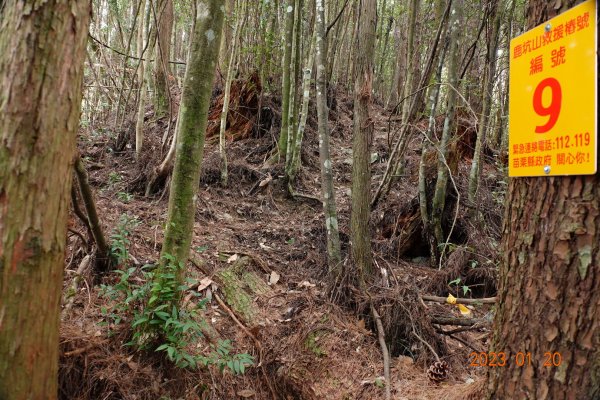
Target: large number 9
553, 109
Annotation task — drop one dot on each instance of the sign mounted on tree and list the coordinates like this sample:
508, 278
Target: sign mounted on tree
553, 94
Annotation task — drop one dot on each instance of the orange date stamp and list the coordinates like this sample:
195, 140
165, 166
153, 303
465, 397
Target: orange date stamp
492, 359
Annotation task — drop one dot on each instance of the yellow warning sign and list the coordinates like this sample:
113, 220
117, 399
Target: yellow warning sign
553, 93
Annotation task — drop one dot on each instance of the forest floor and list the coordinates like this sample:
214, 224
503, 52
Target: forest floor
305, 345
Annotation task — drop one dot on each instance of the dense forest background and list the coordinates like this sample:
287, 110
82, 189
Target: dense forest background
287, 199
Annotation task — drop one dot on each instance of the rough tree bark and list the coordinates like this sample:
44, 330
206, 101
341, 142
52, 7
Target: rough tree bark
191, 128
40, 99
362, 139
329, 207
548, 297
163, 52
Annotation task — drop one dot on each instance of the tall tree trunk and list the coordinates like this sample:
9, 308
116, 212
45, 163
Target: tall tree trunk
163, 53
307, 74
288, 39
382, 61
396, 84
139, 125
295, 77
362, 139
500, 140
434, 96
227, 34
40, 100
439, 197
488, 86
191, 129
226, 97
397, 154
329, 207
410, 58
549, 302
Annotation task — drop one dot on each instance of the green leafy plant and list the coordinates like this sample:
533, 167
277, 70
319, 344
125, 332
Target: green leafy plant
120, 238
312, 345
201, 249
459, 285
114, 178
123, 295
124, 197
159, 324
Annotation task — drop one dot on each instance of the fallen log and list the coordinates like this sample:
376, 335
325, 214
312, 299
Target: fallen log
437, 299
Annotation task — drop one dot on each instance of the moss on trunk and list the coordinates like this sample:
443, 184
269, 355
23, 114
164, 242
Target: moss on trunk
191, 128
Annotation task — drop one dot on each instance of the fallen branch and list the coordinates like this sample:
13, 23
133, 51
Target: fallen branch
485, 300
76, 352
127, 55
469, 345
461, 329
384, 350
298, 195
458, 321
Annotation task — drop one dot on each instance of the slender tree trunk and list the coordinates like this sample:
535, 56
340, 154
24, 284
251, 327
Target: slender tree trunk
296, 153
410, 58
163, 53
500, 141
227, 34
293, 101
549, 302
439, 197
122, 110
488, 86
397, 154
329, 207
139, 126
397, 77
226, 99
382, 61
427, 141
191, 129
362, 139
40, 100
288, 39
350, 63
104, 260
